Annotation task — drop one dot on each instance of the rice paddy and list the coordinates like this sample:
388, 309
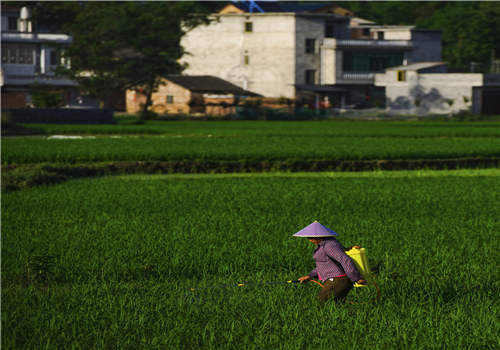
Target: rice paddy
154, 261
125, 252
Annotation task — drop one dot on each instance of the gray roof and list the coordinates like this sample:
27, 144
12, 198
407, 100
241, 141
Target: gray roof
208, 84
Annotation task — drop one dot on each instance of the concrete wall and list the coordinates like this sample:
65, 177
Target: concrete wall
423, 94
394, 33
308, 28
270, 48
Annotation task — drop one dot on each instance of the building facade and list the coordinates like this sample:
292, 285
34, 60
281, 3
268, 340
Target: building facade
29, 58
304, 50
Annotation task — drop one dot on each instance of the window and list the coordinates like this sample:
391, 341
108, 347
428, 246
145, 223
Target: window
310, 76
401, 75
55, 58
310, 45
366, 31
12, 23
248, 27
247, 60
380, 35
371, 61
170, 99
329, 30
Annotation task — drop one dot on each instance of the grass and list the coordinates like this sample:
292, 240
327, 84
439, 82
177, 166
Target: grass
119, 254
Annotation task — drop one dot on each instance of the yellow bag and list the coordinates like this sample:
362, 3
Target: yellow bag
359, 258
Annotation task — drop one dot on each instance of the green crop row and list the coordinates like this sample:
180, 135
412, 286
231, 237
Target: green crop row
151, 148
110, 262
297, 129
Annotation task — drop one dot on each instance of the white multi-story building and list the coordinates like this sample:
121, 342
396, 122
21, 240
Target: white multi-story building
291, 50
29, 57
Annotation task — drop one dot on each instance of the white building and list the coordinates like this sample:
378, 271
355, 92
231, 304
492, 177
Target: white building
29, 57
292, 50
425, 88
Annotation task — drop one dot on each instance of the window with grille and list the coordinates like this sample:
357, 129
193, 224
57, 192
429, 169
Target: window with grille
170, 99
17, 54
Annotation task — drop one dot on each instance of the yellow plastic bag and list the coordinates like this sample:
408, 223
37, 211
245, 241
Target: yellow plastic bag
360, 259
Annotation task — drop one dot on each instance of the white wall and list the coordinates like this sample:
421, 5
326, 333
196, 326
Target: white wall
429, 93
270, 47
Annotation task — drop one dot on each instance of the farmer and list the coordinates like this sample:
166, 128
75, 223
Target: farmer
334, 268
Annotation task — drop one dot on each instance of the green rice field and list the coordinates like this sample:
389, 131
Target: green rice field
255, 141
109, 263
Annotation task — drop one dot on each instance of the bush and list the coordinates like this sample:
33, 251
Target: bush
44, 96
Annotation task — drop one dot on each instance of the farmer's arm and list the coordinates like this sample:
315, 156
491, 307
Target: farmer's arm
312, 274
335, 251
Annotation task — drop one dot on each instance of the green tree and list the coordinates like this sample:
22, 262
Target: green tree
122, 45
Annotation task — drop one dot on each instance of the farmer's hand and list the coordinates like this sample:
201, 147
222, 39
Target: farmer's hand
361, 282
304, 279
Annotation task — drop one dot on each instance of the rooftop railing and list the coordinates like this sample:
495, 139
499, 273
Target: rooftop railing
385, 44
358, 77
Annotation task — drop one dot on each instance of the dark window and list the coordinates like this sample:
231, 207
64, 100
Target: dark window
370, 61
12, 23
401, 75
366, 31
55, 58
310, 76
329, 30
380, 35
170, 99
310, 45
248, 27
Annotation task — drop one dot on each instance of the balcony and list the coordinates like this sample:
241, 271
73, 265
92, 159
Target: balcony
36, 37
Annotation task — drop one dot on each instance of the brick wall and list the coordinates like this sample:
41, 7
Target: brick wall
13, 99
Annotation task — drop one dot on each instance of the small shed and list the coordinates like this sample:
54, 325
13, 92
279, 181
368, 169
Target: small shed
185, 94
426, 88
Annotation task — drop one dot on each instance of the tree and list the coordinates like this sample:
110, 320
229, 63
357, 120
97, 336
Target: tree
123, 45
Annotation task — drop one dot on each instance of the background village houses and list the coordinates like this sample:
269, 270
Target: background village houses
316, 54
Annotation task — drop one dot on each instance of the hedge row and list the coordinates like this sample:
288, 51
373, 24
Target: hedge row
16, 177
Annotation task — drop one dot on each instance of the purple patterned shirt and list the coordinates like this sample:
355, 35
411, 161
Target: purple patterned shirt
331, 261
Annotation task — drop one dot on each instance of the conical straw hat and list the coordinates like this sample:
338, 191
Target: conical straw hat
315, 230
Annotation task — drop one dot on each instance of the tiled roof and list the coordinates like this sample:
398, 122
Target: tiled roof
208, 84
